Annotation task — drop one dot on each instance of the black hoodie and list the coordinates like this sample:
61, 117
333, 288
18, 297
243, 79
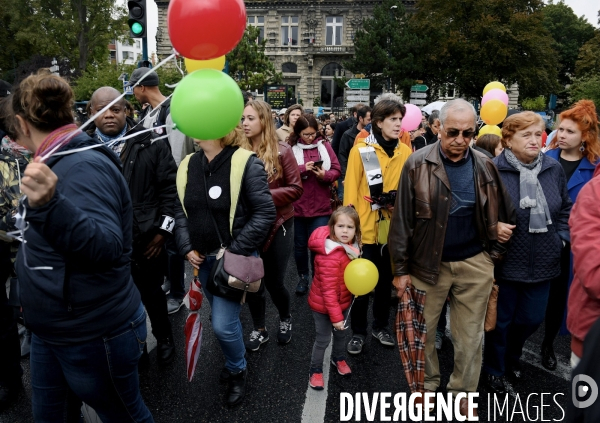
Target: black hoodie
84, 233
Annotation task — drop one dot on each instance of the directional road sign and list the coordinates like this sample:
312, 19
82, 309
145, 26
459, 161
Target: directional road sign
415, 94
359, 84
419, 87
418, 101
357, 97
358, 92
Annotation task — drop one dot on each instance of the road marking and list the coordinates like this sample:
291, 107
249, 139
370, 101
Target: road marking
562, 370
316, 401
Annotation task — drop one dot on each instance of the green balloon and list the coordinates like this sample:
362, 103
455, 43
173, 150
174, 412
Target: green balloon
207, 104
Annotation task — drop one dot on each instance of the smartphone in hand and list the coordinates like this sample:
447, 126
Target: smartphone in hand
318, 164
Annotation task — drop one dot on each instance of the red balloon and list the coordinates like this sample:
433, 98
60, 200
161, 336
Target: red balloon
206, 29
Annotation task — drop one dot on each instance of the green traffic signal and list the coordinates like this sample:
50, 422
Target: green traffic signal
137, 28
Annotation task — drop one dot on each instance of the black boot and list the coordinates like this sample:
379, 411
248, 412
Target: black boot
165, 351
495, 384
237, 388
302, 287
548, 357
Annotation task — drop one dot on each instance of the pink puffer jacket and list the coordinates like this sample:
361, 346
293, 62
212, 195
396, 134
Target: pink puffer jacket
328, 292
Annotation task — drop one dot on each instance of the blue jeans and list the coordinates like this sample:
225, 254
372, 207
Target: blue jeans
303, 228
103, 373
226, 322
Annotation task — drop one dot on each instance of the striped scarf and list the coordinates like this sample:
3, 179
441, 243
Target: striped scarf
57, 139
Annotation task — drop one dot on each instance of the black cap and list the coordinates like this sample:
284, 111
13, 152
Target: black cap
151, 80
5, 89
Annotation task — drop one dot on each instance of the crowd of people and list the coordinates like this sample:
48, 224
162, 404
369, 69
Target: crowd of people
95, 223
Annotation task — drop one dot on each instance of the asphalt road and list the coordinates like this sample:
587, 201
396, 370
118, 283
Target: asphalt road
278, 378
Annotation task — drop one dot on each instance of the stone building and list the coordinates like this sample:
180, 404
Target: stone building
307, 40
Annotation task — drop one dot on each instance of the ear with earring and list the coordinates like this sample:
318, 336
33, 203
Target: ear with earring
582, 148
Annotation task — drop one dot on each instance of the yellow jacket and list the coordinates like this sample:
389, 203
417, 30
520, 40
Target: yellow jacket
356, 186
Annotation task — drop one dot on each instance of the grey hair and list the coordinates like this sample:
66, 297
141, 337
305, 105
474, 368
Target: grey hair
433, 116
458, 105
388, 96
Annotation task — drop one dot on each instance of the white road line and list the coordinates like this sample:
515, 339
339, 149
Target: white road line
562, 370
316, 401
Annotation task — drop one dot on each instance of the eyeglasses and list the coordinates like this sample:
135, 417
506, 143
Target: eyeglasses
454, 133
314, 134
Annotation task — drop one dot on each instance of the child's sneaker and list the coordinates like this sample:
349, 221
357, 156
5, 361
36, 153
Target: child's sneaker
342, 367
257, 338
316, 381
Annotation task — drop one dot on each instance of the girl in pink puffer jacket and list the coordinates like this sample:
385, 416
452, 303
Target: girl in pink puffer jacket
334, 246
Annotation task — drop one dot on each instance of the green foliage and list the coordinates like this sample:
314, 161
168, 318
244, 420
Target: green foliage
386, 47
107, 75
473, 42
317, 102
248, 65
587, 88
569, 33
588, 62
75, 30
535, 104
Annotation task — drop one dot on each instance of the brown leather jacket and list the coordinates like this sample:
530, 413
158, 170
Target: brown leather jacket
418, 224
285, 190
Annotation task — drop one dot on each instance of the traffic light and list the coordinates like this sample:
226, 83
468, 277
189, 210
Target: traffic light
137, 18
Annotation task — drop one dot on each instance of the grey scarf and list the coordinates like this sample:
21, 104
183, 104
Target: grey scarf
532, 194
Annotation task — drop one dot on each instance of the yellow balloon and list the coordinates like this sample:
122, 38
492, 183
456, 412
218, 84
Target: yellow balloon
493, 112
193, 65
361, 276
494, 85
490, 129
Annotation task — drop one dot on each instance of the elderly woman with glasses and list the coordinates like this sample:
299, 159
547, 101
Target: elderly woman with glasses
319, 168
538, 188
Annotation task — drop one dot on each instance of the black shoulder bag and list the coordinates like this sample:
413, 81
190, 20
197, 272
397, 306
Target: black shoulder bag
233, 275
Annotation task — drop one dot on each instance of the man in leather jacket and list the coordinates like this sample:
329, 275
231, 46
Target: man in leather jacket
150, 172
444, 236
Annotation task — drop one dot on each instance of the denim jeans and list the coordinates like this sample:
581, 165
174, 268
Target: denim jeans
226, 322
103, 373
303, 228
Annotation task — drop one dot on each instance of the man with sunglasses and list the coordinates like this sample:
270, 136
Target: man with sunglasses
444, 240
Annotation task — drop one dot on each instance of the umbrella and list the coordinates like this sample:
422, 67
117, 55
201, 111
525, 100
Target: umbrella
193, 325
436, 105
411, 332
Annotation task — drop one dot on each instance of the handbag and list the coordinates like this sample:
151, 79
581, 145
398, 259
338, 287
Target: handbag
233, 275
334, 198
491, 313
383, 229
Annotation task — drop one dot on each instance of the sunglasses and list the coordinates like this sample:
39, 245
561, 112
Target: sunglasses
454, 133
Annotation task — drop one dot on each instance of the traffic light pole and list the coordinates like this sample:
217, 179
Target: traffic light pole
145, 48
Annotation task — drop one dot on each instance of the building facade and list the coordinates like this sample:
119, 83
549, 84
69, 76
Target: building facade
308, 41
127, 51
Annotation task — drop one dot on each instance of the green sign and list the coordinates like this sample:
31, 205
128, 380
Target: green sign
420, 87
359, 84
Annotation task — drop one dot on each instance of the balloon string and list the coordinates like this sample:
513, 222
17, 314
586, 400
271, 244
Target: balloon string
348, 315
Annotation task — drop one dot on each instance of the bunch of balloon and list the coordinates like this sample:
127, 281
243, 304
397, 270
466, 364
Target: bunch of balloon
207, 104
494, 104
360, 277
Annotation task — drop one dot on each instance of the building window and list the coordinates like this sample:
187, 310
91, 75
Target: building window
289, 67
289, 30
137, 44
447, 91
127, 55
332, 94
334, 25
259, 22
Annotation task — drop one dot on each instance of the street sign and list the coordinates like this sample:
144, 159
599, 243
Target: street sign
419, 87
126, 88
415, 94
359, 84
361, 98
352, 103
358, 92
417, 101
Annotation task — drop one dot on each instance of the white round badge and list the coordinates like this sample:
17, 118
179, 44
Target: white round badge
215, 192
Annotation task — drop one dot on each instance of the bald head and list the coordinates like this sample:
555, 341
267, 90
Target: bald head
112, 121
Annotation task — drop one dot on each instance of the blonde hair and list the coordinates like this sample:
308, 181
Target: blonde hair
268, 150
352, 214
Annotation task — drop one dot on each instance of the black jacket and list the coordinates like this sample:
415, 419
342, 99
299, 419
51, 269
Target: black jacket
254, 213
340, 128
535, 257
419, 142
430, 137
150, 172
346, 144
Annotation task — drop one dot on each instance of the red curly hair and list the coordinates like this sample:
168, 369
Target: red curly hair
583, 113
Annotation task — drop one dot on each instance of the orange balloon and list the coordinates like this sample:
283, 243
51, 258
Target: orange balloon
193, 65
493, 112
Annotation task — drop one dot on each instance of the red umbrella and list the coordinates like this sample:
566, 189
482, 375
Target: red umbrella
411, 332
193, 325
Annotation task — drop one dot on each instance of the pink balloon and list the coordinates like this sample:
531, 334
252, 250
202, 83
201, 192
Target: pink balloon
495, 94
411, 118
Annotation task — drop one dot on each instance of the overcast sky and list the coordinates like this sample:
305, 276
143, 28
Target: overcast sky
580, 7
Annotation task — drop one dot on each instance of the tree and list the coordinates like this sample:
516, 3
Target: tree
77, 30
569, 33
588, 62
386, 49
473, 42
248, 65
586, 88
